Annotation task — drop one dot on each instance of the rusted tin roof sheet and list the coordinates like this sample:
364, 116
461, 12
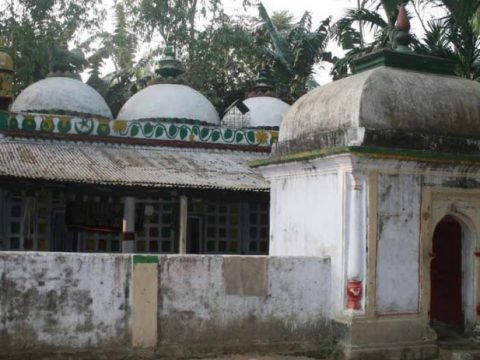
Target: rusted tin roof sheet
129, 165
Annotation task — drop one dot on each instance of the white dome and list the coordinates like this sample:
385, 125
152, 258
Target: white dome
169, 101
265, 111
61, 93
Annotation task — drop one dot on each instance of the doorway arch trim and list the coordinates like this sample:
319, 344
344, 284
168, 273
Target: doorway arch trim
464, 206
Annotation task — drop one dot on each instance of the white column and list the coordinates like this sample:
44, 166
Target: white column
128, 225
182, 237
356, 241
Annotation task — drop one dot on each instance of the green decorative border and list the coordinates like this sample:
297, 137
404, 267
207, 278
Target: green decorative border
162, 129
145, 259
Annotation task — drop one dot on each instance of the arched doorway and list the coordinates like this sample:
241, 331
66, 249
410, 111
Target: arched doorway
446, 311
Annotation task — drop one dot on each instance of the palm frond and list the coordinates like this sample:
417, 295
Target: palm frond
306, 21
370, 18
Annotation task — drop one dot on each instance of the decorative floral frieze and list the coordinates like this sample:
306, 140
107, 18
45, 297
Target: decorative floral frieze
162, 129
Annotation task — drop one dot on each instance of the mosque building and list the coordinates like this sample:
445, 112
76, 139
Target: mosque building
166, 176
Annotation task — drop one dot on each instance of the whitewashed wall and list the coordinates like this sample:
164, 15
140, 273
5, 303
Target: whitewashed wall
243, 302
401, 186
399, 202
57, 302
305, 216
398, 253
306, 213
63, 300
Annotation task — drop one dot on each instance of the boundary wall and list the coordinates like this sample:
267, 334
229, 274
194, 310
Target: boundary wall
122, 306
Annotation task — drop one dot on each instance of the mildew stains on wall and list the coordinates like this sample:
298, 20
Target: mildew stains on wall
398, 244
63, 300
56, 303
197, 311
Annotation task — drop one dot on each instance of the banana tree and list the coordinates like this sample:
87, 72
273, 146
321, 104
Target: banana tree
293, 54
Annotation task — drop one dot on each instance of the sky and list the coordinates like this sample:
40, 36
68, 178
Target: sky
320, 9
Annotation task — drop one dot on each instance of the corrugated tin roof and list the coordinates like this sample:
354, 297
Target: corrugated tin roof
129, 165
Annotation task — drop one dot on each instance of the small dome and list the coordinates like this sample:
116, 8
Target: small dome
6, 62
387, 107
64, 94
265, 111
169, 101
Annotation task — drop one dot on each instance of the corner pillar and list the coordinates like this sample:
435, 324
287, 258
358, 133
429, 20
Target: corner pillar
128, 225
182, 238
356, 241
145, 301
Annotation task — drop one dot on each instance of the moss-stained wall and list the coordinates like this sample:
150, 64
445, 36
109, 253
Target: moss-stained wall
216, 304
125, 306
63, 301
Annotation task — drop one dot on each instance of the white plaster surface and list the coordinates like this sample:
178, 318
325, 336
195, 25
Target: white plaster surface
61, 93
63, 300
355, 230
398, 243
306, 218
169, 101
387, 98
51, 301
265, 111
194, 306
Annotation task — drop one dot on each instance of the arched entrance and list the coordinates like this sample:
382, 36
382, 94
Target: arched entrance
446, 311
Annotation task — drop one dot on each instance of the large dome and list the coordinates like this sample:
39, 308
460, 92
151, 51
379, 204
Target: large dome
63, 94
388, 107
169, 101
264, 111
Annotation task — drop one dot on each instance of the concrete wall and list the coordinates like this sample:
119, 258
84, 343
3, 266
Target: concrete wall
399, 226
63, 300
173, 305
306, 215
238, 302
398, 253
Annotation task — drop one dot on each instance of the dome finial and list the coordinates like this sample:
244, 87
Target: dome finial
402, 39
6, 76
66, 63
169, 66
400, 55
264, 85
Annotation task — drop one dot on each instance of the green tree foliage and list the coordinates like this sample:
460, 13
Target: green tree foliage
217, 50
120, 47
33, 28
293, 52
283, 21
476, 23
376, 16
223, 62
175, 21
452, 36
